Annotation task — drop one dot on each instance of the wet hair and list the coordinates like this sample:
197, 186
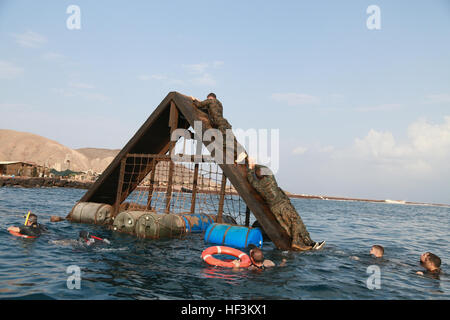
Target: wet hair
211, 95
257, 255
378, 247
433, 259
83, 234
32, 218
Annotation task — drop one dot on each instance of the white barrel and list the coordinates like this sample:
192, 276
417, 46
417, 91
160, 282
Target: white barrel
91, 212
126, 221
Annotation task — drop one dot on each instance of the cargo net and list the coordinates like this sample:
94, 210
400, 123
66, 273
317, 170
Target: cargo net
170, 188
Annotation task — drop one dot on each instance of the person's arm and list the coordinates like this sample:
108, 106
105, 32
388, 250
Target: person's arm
14, 229
283, 263
251, 177
202, 105
269, 264
236, 264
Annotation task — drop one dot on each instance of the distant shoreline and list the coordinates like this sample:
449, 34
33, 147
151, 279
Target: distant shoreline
30, 182
304, 196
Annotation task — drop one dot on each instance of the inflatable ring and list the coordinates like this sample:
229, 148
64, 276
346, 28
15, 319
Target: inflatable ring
207, 256
17, 234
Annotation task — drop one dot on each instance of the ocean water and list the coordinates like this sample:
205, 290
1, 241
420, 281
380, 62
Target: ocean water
172, 269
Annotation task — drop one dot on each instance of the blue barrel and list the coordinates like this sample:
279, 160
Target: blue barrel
197, 222
233, 236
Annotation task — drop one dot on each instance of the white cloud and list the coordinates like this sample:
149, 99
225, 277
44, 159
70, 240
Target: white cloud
9, 71
325, 149
52, 56
380, 107
163, 78
427, 149
299, 150
76, 92
15, 107
204, 80
295, 99
438, 98
197, 68
217, 64
80, 85
198, 74
30, 39
431, 139
144, 77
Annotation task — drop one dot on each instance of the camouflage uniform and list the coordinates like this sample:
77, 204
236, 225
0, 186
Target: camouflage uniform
281, 207
214, 109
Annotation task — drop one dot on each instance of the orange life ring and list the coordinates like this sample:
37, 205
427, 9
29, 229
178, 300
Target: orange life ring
17, 234
207, 256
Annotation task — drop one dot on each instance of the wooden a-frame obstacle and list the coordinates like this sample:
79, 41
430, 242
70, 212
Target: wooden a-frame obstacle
151, 143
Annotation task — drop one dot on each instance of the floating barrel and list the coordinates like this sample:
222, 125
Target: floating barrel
233, 236
160, 226
126, 221
197, 222
91, 212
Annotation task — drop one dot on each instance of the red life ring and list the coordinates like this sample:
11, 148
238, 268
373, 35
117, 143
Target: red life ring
17, 234
207, 256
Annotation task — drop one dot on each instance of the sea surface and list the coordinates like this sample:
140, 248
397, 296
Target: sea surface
132, 268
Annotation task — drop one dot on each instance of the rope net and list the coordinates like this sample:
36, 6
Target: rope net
156, 183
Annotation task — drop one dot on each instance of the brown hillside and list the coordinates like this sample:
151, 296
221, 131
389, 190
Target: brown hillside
24, 146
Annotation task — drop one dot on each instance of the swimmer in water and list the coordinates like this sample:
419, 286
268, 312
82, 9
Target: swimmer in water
88, 239
431, 263
258, 261
84, 239
377, 251
31, 228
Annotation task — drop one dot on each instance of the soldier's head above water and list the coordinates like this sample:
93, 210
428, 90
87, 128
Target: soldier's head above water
377, 251
431, 262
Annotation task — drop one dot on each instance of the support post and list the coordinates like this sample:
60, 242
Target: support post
169, 187
123, 163
151, 186
222, 198
247, 216
173, 124
194, 188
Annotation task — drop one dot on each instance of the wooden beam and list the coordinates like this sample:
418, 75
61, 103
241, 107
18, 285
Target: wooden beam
169, 186
152, 184
123, 164
247, 216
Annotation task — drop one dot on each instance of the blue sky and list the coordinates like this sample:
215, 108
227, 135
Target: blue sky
362, 113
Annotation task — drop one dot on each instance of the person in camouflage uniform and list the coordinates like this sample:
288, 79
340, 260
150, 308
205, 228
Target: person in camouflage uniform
281, 207
214, 109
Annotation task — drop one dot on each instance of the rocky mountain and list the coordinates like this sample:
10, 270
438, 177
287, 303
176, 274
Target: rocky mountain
24, 146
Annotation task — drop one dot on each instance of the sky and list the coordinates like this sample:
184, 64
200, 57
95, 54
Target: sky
361, 112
